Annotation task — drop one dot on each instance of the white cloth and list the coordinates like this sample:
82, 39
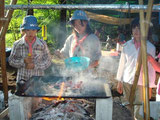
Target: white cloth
127, 64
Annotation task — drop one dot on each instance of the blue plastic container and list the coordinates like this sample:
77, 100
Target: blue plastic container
77, 64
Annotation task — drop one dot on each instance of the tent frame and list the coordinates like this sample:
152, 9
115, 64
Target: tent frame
156, 8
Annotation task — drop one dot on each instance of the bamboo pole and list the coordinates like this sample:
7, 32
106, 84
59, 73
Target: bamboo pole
3, 29
8, 19
134, 86
144, 25
142, 54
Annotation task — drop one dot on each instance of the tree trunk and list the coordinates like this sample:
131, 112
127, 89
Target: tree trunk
62, 30
30, 11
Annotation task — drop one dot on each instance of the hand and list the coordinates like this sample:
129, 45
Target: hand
94, 64
30, 66
58, 54
28, 59
120, 87
150, 58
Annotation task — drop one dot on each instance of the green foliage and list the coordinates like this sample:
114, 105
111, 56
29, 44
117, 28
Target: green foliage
48, 17
90, 1
124, 2
51, 18
44, 17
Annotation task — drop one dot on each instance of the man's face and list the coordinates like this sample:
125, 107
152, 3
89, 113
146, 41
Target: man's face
136, 33
79, 26
30, 34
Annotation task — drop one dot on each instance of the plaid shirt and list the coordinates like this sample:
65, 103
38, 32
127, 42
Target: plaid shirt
41, 58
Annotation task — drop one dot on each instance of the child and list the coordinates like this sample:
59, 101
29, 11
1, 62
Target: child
82, 42
30, 55
127, 68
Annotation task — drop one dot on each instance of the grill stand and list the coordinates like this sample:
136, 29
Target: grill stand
104, 107
20, 106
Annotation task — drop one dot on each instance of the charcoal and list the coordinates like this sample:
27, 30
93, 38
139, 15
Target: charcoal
63, 110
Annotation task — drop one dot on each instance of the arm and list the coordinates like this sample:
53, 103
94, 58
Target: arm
94, 64
120, 87
15, 59
120, 72
58, 54
65, 50
154, 63
121, 67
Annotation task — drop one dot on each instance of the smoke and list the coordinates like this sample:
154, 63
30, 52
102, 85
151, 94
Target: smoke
109, 64
55, 74
58, 33
77, 84
92, 80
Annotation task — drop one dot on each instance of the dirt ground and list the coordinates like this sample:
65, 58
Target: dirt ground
11, 77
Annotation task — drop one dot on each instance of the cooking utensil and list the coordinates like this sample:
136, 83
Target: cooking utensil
77, 64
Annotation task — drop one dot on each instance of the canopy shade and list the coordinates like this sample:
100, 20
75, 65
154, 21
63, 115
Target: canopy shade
108, 19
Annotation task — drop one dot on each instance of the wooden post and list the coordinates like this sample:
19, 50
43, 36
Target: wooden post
30, 11
144, 25
143, 54
133, 88
8, 18
3, 29
62, 29
3, 55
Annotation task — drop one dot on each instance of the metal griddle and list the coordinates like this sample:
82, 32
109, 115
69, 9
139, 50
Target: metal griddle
49, 86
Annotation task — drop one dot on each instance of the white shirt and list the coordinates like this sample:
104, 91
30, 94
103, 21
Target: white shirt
91, 46
127, 64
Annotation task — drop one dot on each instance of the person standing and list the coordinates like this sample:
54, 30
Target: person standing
30, 55
127, 68
82, 42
